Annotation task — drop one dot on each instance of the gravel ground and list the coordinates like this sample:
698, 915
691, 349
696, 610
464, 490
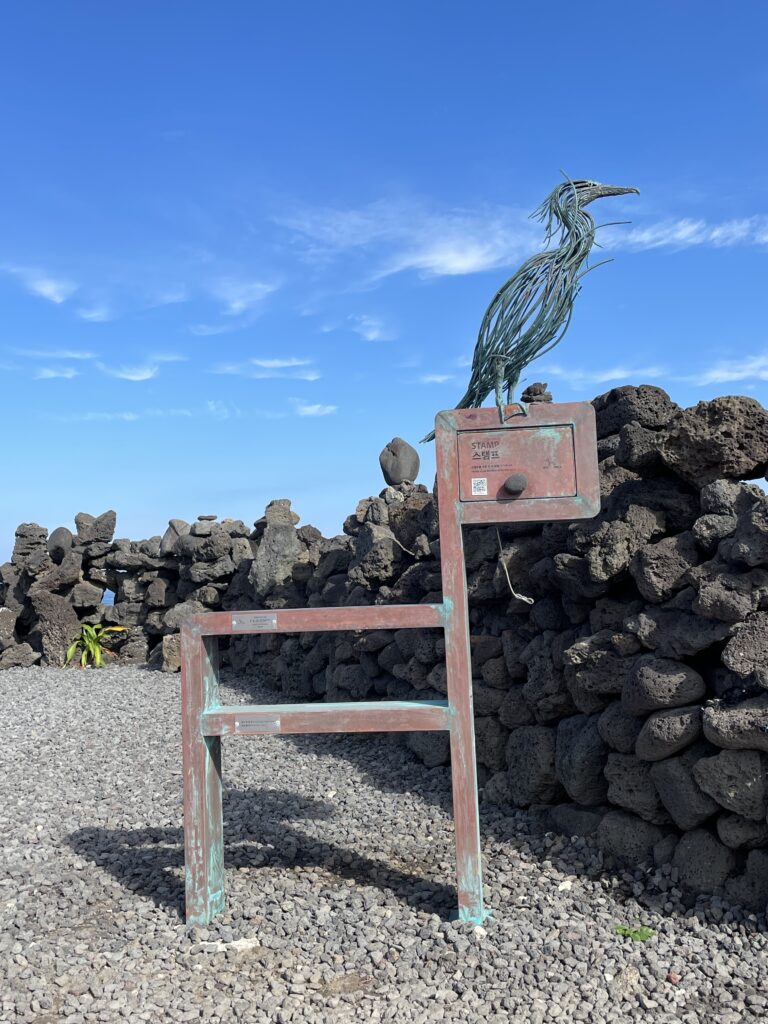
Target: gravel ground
339, 883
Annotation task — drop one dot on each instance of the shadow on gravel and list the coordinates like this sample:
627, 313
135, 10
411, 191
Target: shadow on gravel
150, 861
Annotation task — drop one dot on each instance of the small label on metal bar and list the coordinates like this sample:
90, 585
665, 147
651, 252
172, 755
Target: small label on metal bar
254, 621
257, 725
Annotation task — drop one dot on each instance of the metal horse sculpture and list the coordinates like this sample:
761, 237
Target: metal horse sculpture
529, 314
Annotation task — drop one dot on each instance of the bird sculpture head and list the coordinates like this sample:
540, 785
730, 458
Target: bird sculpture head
567, 200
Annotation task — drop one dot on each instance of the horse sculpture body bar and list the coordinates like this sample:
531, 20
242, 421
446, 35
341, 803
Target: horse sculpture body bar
538, 465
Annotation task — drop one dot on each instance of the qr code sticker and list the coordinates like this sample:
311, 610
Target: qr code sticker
479, 485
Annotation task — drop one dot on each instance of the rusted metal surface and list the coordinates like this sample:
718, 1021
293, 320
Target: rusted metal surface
545, 469
318, 620
351, 716
201, 754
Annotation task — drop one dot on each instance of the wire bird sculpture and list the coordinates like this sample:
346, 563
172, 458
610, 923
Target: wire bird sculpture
529, 314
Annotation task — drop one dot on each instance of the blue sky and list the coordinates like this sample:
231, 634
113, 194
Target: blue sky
245, 244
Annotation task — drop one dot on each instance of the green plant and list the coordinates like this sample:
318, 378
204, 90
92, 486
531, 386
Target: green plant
636, 934
89, 644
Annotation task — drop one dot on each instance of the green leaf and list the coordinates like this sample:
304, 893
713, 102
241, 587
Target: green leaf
84, 658
71, 651
97, 657
641, 934
113, 629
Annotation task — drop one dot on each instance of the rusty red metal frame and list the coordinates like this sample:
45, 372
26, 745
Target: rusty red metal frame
560, 467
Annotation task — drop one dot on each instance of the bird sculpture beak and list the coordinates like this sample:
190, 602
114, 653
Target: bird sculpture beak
617, 190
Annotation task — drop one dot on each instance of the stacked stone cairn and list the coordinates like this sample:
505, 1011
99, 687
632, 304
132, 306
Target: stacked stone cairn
630, 699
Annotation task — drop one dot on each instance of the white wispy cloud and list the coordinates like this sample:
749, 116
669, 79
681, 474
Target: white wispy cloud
578, 375
727, 370
222, 410
411, 235
168, 357
95, 314
55, 372
302, 409
41, 283
685, 233
240, 296
130, 416
371, 328
134, 373
278, 364
269, 369
400, 235
54, 354
436, 378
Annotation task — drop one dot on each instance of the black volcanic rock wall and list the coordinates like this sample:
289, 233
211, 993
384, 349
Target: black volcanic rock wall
631, 696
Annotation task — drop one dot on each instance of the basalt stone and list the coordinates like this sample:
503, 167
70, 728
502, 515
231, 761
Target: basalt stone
545, 691
377, 555
399, 462
729, 497
703, 863
490, 742
134, 647
627, 838
631, 786
659, 569
613, 544
513, 643
166, 656
573, 820
647, 405
638, 448
726, 595
677, 502
59, 578
610, 613
581, 755
486, 699
60, 543
279, 513
667, 732
736, 779
132, 561
7, 628
176, 528
57, 625
655, 683
175, 617
13, 587
514, 709
740, 833
750, 888
740, 727
30, 546
572, 576
595, 671
432, 748
618, 728
218, 544
710, 529
206, 572
160, 593
86, 595
672, 630
19, 656
536, 392
273, 563
746, 653
724, 438
494, 673
95, 528
530, 756
607, 447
